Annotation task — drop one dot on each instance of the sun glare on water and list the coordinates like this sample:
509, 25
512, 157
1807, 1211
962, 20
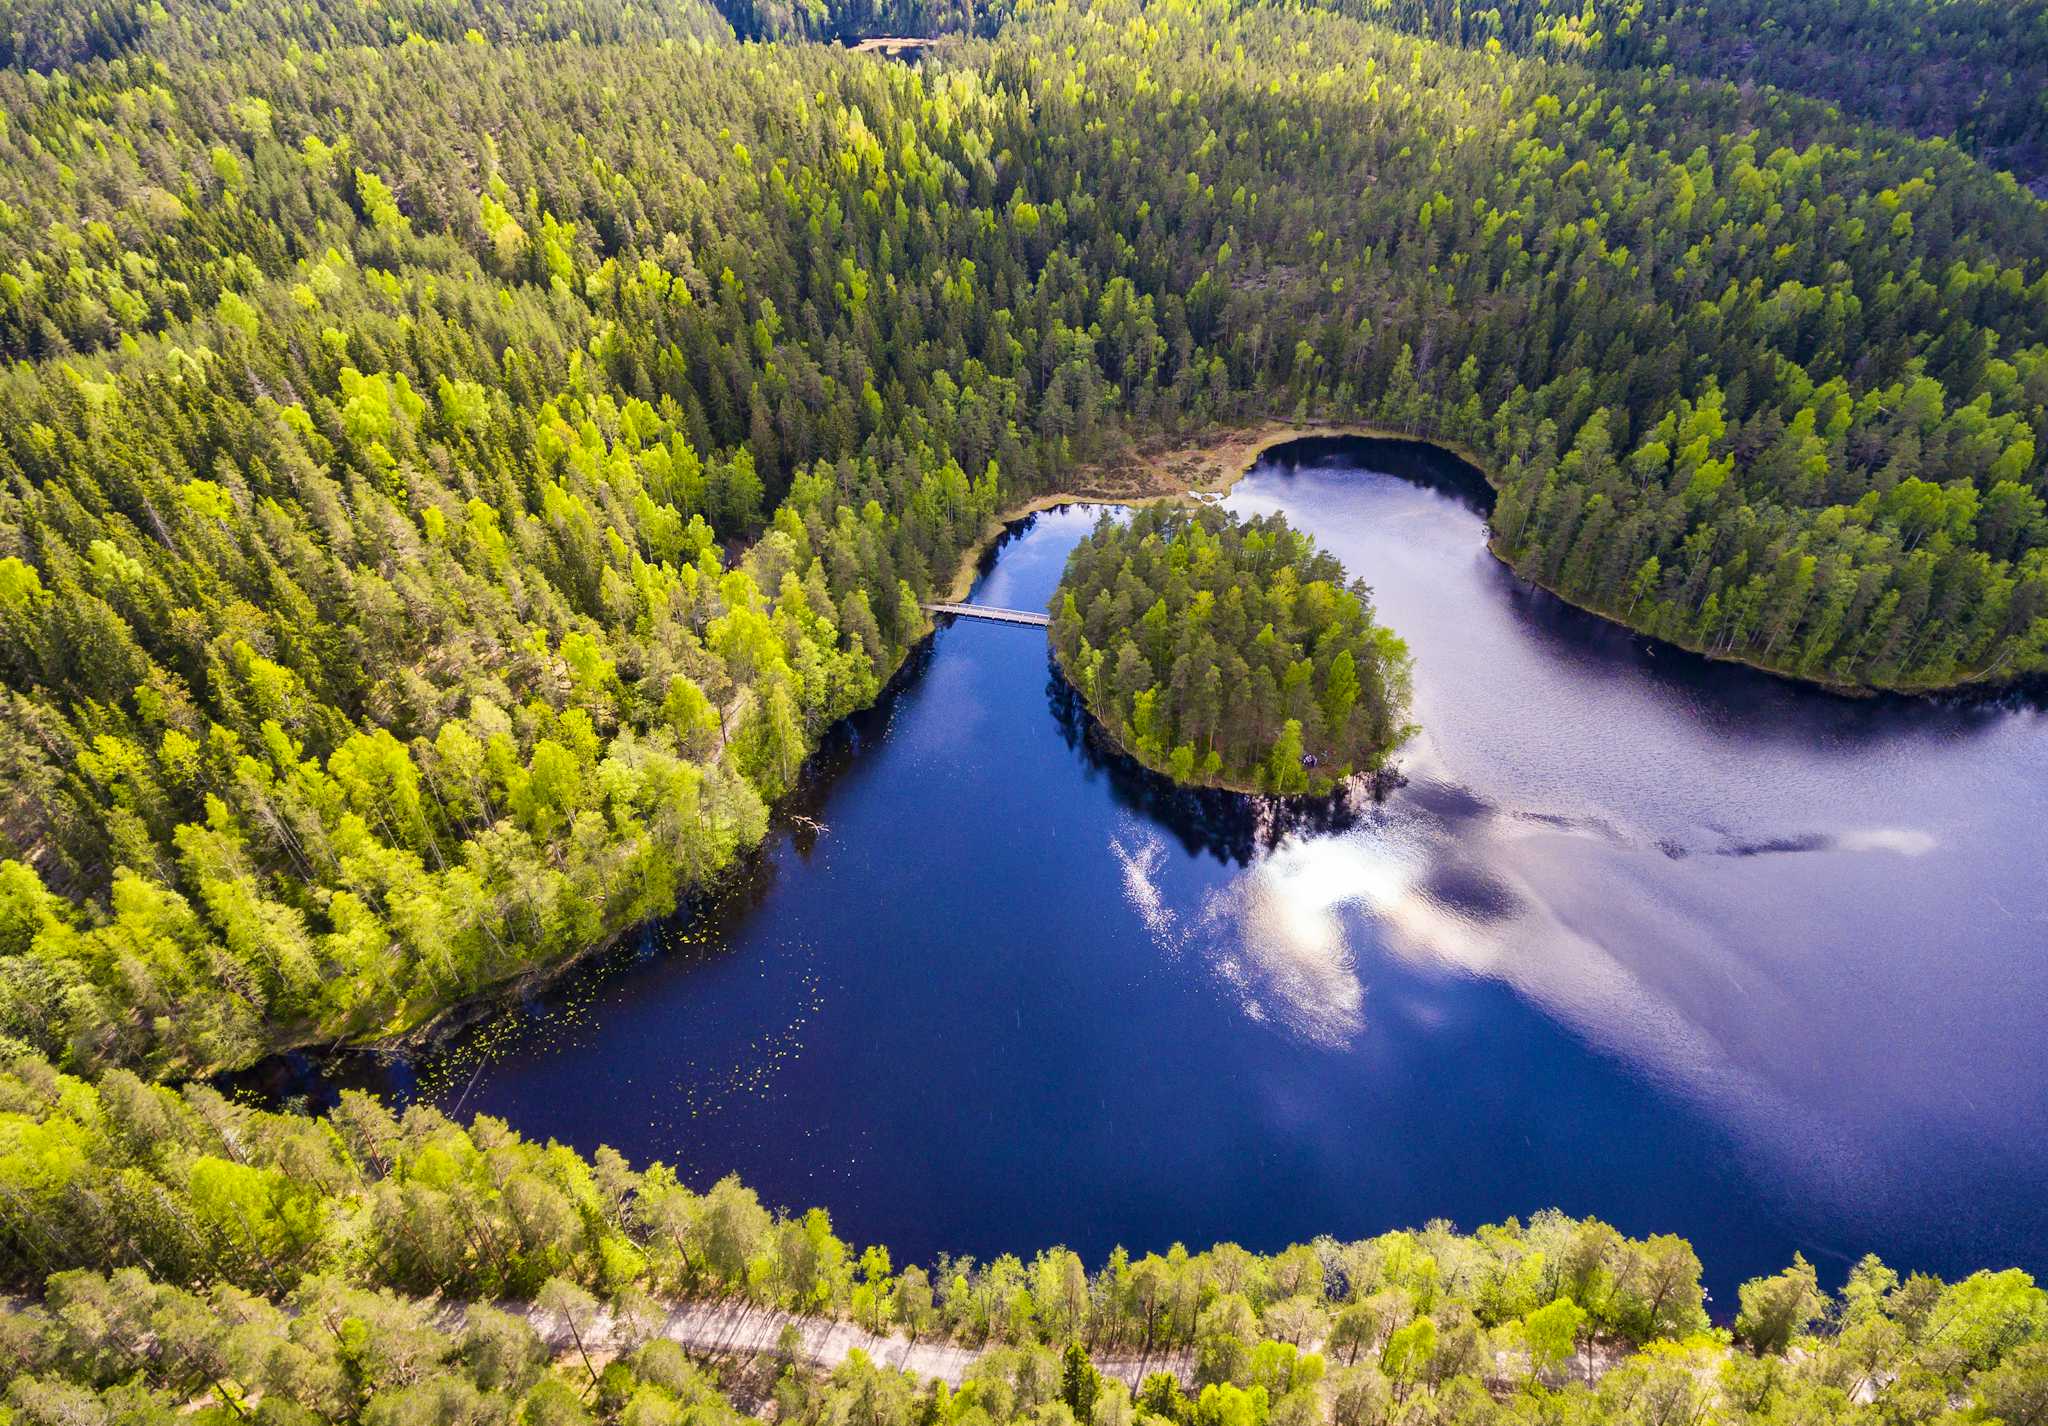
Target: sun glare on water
1276, 937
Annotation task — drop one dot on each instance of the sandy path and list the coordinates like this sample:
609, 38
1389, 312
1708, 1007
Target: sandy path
737, 1329
894, 44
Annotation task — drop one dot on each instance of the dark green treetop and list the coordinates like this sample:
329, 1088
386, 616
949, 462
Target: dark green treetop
1230, 652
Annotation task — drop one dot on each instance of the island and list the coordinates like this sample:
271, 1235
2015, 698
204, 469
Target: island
1229, 652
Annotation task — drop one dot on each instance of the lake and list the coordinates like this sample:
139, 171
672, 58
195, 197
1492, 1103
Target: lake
1669, 942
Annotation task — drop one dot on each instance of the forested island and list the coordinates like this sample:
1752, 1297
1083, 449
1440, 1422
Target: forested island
1229, 653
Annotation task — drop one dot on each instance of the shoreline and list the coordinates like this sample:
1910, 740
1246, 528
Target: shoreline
1813, 681
1373, 782
450, 1020
1215, 463
1210, 464
1976, 686
1220, 460
969, 568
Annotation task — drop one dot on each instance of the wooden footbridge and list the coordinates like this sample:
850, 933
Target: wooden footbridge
991, 613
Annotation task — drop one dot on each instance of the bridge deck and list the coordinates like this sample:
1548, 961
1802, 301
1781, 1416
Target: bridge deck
990, 612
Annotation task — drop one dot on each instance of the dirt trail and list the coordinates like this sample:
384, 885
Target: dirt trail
740, 1330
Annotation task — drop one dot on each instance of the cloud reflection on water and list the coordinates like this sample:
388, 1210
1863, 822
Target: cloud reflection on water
1273, 935
1558, 908
1575, 914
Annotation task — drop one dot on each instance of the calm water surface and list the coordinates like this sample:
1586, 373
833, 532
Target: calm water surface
1671, 943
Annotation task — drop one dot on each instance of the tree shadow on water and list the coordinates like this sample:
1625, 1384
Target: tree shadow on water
1726, 698
801, 812
1233, 827
1416, 462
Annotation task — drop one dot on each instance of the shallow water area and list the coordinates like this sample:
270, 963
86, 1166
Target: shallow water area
1669, 942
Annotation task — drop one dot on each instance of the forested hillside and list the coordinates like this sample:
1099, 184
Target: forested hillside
447, 486
370, 632
54, 34
1972, 70
1975, 70
204, 1261
1228, 652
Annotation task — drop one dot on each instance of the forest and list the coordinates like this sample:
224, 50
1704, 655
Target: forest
1975, 71
447, 484
457, 457
205, 1261
1228, 652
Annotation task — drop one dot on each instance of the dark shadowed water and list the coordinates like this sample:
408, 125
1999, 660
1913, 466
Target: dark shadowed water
1668, 942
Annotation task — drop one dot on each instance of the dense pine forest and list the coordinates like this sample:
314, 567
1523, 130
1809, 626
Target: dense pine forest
1972, 70
1975, 71
206, 1261
1231, 653
450, 482
456, 459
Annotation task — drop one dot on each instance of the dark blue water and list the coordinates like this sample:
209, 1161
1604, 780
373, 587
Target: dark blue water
1670, 943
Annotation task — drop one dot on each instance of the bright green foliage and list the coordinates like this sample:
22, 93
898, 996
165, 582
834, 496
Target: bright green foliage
183, 1250
455, 458
1777, 1309
1229, 651
371, 503
1080, 1383
1553, 1331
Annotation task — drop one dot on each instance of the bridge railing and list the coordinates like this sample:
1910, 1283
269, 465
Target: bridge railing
992, 613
